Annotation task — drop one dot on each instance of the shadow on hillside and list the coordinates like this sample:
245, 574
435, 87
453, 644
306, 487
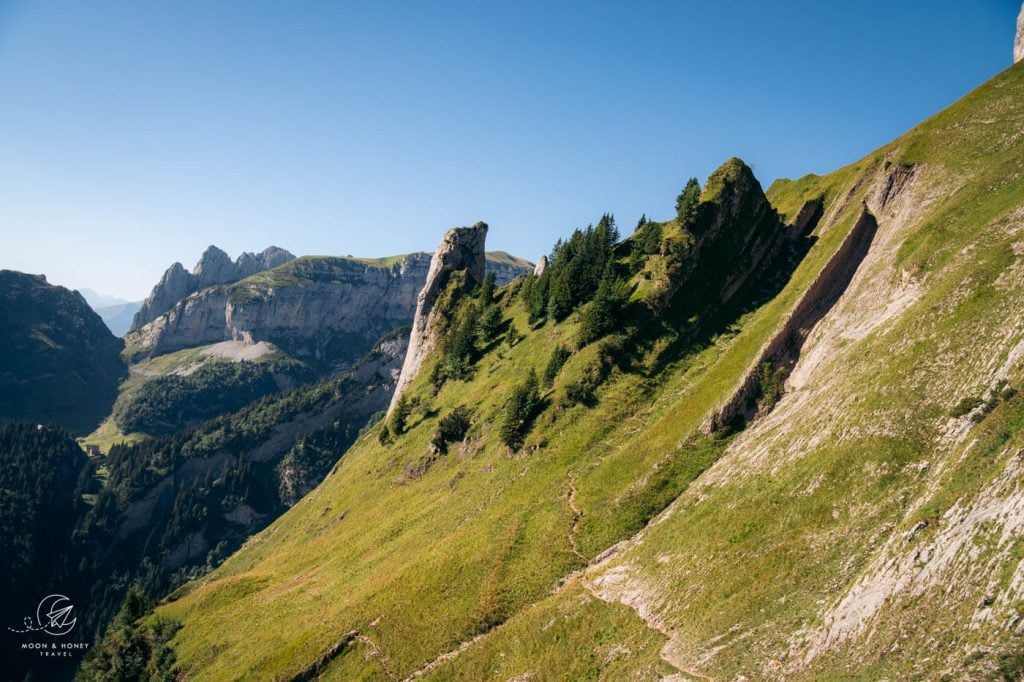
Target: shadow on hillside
693, 322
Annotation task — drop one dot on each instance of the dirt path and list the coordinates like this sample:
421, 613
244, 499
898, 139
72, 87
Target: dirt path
376, 653
577, 514
580, 577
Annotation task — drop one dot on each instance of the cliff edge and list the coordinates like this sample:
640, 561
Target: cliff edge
462, 248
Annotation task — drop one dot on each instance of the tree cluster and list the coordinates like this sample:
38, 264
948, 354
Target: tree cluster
473, 323
134, 647
558, 357
43, 475
452, 428
519, 411
575, 269
165, 404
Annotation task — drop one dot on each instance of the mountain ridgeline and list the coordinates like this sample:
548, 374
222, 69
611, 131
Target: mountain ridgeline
775, 436
214, 267
323, 311
60, 364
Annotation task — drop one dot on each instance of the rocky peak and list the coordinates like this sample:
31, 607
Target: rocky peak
541, 266
736, 229
214, 267
462, 248
250, 263
1018, 45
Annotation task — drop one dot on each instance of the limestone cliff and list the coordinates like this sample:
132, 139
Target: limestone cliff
326, 311
462, 248
214, 267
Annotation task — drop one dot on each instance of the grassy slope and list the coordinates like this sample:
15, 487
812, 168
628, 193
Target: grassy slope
799, 509
419, 566
744, 561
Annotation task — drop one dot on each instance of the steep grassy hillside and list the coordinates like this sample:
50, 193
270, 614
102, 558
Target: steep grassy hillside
869, 526
418, 551
807, 471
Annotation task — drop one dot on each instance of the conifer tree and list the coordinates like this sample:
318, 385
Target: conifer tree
519, 410
399, 416
686, 203
604, 311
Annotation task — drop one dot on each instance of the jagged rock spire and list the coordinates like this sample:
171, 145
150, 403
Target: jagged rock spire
462, 248
541, 266
214, 267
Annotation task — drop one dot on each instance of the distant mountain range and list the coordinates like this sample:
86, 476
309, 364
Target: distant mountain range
118, 316
116, 313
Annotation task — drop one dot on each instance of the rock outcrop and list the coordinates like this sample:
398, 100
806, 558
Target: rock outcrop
462, 248
326, 311
214, 267
1018, 45
783, 350
735, 234
541, 266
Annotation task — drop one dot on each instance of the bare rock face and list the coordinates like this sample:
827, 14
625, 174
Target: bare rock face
176, 284
324, 311
1018, 45
541, 266
214, 267
250, 263
462, 248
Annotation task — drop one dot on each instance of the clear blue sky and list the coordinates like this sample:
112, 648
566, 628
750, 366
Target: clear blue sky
134, 134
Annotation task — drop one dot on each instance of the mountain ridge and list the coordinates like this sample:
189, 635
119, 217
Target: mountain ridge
323, 310
60, 363
214, 267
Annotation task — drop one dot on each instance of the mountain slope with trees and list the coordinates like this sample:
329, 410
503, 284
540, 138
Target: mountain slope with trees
793, 452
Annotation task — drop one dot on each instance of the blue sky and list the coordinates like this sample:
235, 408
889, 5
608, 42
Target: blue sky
135, 134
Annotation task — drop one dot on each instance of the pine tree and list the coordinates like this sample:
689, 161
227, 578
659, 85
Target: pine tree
399, 416
460, 343
604, 311
686, 203
554, 366
537, 298
519, 410
487, 288
560, 295
490, 321
513, 336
